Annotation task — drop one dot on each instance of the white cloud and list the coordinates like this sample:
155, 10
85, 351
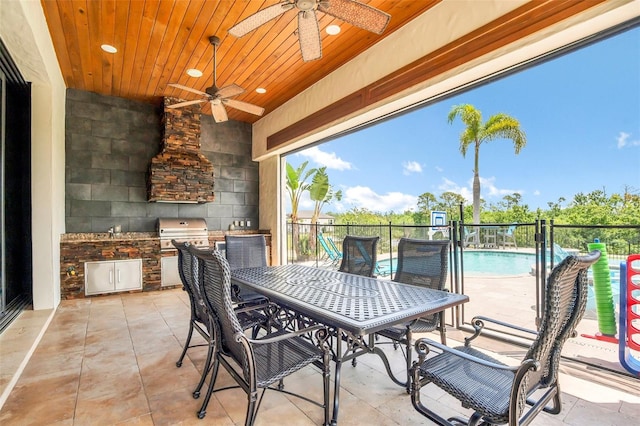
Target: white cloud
365, 197
304, 203
328, 159
336, 206
488, 189
624, 142
450, 186
411, 167
439, 169
536, 192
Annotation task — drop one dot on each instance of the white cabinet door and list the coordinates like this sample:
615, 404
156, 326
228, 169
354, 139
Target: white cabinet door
128, 274
169, 274
111, 276
98, 277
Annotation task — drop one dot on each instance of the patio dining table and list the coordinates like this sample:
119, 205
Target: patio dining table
353, 306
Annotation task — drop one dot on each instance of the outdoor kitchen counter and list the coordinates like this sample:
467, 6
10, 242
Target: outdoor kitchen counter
102, 236
76, 249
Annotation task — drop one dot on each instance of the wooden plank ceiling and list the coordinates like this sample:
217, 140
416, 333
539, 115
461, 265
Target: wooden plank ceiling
158, 40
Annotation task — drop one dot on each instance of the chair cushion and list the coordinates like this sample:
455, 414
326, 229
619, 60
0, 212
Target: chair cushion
484, 389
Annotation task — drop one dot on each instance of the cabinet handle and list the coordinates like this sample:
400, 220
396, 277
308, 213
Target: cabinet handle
110, 277
119, 279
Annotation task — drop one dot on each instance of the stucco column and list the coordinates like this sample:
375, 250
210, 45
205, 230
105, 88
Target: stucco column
24, 31
270, 203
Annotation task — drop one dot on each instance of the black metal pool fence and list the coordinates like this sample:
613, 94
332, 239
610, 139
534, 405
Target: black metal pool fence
541, 236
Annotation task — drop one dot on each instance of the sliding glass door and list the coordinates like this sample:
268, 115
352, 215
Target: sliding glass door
16, 277
3, 301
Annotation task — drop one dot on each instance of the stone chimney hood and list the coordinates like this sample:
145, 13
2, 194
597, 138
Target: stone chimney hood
180, 173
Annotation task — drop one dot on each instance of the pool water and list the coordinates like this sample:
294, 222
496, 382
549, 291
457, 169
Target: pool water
497, 263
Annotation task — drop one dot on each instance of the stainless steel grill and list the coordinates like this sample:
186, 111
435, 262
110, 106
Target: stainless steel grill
192, 230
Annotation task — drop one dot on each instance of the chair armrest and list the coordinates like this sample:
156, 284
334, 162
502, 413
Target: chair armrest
478, 325
423, 346
251, 308
286, 336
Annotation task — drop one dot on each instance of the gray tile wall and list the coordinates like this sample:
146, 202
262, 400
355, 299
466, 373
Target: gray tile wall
109, 144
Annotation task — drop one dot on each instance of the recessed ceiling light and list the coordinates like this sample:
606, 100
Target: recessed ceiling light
261, 90
194, 72
108, 48
333, 29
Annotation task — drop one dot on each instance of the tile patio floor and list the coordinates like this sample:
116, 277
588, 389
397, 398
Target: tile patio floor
111, 360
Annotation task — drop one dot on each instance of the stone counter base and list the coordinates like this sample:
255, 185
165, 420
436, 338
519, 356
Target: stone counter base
76, 249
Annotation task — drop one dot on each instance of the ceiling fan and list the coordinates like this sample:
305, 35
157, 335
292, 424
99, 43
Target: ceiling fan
218, 98
351, 11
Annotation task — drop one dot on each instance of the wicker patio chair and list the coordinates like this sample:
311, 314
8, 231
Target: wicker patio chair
256, 363
246, 251
422, 263
498, 393
200, 319
359, 255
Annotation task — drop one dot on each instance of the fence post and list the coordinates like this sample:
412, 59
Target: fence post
458, 311
541, 268
316, 243
390, 248
552, 256
289, 231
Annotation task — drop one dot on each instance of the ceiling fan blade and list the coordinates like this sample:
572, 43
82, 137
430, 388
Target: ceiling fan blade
244, 106
309, 35
259, 18
185, 103
229, 91
218, 111
358, 14
188, 89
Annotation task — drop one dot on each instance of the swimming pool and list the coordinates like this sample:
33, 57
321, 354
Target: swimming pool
497, 263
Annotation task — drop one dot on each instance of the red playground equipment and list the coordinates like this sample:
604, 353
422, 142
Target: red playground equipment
629, 316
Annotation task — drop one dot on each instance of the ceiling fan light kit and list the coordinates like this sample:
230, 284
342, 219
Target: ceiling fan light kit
218, 98
350, 11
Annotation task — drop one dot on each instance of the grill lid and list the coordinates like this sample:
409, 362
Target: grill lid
181, 226
192, 230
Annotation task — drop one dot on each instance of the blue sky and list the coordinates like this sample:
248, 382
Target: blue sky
580, 112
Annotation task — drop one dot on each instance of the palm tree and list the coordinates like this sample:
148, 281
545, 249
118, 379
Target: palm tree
296, 186
498, 126
321, 193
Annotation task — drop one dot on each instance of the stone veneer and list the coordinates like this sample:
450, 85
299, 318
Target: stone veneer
180, 172
73, 255
109, 145
76, 249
